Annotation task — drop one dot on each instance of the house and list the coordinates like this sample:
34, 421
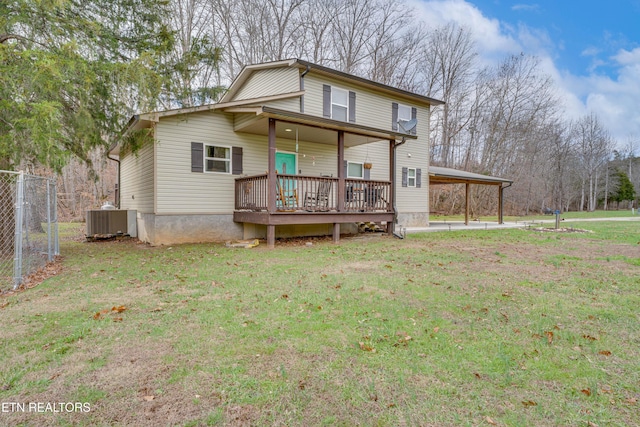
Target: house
292, 148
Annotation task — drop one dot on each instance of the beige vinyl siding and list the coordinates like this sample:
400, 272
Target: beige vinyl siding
372, 109
267, 82
411, 199
183, 191
291, 104
376, 153
136, 180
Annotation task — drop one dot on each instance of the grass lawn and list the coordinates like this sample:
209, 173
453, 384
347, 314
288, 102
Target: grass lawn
499, 327
622, 213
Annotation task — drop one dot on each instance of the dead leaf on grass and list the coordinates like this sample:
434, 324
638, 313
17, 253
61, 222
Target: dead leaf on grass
605, 352
586, 391
631, 400
118, 309
490, 421
549, 335
367, 347
148, 398
528, 403
589, 337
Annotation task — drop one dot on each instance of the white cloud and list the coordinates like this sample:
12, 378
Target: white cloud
613, 99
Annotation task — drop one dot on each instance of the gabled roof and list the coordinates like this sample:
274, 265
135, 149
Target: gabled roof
311, 67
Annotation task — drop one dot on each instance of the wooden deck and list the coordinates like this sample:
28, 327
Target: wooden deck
303, 199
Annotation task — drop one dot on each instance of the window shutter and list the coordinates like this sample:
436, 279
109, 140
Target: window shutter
367, 174
197, 157
405, 177
394, 116
326, 100
236, 160
352, 107
414, 115
418, 178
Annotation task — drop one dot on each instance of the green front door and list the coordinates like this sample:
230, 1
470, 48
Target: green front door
286, 163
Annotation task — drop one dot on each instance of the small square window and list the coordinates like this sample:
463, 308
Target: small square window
217, 159
355, 170
411, 177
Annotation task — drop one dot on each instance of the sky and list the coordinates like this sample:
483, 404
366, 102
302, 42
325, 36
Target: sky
590, 48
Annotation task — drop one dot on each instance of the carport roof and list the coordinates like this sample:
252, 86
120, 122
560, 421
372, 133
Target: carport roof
440, 175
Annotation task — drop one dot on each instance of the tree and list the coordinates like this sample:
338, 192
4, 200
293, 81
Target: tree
72, 72
625, 191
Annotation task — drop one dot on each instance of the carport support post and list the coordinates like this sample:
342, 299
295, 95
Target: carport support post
466, 203
500, 216
392, 188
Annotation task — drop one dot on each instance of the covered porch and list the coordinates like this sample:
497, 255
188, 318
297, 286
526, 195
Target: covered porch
275, 198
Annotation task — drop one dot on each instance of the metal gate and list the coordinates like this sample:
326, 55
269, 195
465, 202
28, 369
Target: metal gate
28, 226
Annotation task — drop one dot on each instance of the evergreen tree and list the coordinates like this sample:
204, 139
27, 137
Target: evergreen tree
625, 189
73, 71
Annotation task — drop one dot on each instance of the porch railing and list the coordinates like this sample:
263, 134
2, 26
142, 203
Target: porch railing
299, 193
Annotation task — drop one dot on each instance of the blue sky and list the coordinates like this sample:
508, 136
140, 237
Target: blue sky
590, 48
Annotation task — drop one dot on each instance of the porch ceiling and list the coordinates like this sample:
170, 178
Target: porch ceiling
313, 129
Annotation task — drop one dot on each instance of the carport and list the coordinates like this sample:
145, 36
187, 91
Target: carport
440, 175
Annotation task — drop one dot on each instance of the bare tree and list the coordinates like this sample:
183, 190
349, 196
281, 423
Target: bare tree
593, 144
449, 69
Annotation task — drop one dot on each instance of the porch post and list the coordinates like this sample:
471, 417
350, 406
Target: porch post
271, 182
466, 203
341, 177
392, 188
271, 171
336, 232
500, 218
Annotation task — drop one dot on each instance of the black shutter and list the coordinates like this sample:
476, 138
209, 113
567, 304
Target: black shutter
326, 100
367, 174
405, 177
236, 160
394, 116
418, 178
414, 115
197, 157
352, 107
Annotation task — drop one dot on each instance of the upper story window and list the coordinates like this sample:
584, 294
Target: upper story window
404, 114
338, 104
217, 159
401, 115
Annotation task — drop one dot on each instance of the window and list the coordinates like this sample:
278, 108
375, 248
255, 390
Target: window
355, 170
339, 104
404, 114
411, 177
217, 159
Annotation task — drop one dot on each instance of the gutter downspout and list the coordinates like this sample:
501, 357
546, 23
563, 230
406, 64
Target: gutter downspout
134, 121
304, 73
393, 194
118, 179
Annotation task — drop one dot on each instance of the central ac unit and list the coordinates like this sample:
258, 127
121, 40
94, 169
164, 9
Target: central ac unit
111, 222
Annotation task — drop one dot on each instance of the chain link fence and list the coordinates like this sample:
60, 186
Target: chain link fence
28, 226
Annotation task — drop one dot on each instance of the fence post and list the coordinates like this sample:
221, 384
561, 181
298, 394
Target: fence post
19, 213
56, 241
49, 251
